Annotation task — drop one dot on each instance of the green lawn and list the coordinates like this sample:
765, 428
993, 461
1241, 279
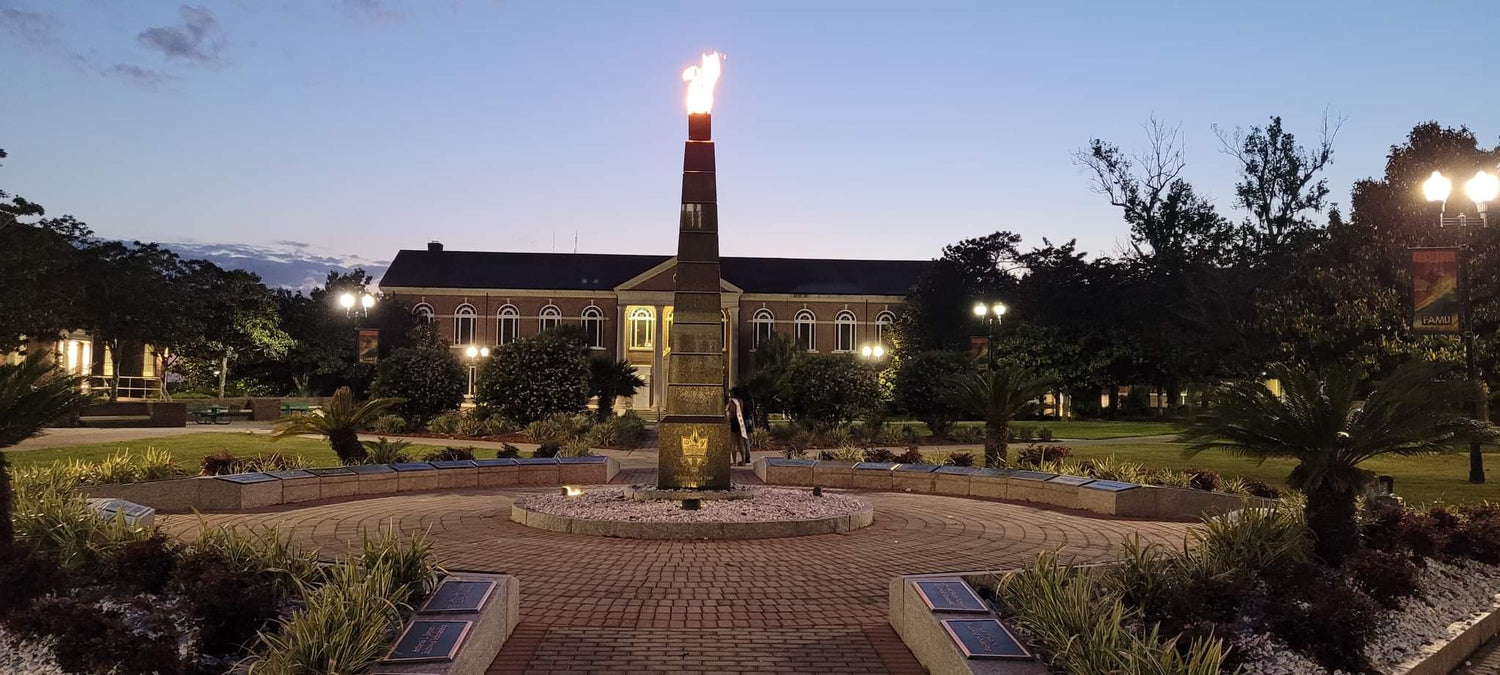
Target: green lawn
187, 449
1089, 430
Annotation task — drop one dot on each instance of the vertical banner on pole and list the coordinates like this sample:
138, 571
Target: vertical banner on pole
369, 345
1434, 286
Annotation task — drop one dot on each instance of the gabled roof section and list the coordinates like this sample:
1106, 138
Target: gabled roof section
598, 271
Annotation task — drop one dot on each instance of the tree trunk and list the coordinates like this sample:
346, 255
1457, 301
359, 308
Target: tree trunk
1331, 515
114, 374
606, 408
223, 373
996, 433
346, 445
7, 530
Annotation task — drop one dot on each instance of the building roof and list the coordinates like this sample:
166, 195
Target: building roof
600, 271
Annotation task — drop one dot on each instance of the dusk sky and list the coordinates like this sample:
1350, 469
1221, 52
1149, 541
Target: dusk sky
860, 129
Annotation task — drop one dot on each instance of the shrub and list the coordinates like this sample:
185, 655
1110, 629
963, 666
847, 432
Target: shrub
1044, 434
1318, 613
495, 425
221, 463
559, 428
1021, 433
760, 438
576, 448
848, 453
28, 575
342, 627
385, 451
103, 640
229, 604
1035, 455
546, 450
879, 455
471, 426
913, 455
446, 423
144, 566
427, 376
448, 454
1387, 577
1110, 468
410, 563
967, 434
961, 459
1250, 539
389, 424
830, 390
1258, 488
531, 378
920, 385
51, 517
626, 432
1167, 478
782, 433
507, 451
257, 551
270, 461
1202, 479
1477, 537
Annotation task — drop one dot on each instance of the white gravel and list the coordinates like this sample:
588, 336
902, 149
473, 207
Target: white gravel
26, 657
771, 505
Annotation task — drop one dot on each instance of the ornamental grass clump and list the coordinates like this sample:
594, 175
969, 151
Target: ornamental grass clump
50, 516
385, 451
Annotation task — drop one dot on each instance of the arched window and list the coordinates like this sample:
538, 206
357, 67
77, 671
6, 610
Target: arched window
765, 324
510, 325
885, 325
593, 326
806, 325
843, 331
548, 318
642, 326
423, 312
464, 319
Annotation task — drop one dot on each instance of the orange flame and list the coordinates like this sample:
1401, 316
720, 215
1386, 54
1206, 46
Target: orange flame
701, 80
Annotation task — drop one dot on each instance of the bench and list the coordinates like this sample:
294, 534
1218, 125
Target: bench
85, 419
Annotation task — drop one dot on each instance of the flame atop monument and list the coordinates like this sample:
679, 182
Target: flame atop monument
701, 80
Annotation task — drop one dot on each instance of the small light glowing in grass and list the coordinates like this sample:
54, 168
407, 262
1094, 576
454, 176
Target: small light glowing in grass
570, 491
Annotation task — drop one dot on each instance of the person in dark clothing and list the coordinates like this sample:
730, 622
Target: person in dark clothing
739, 425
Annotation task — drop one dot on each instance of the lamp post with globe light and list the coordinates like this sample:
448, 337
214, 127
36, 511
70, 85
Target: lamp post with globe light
474, 352
991, 314
1482, 189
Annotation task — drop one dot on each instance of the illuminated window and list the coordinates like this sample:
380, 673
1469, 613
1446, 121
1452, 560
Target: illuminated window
464, 319
885, 326
549, 318
593, 326
642, 328
843, 331
765, 324
510, 325
806, 330
423, 312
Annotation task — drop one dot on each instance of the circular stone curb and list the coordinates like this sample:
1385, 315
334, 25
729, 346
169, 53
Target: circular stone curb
649, 494
634, 529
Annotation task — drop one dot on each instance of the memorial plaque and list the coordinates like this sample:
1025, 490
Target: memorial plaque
459, 596
538, 460
292, 474
1111, 486
958, 470
1032, 475
582, 460
950, 595
984, 639
996, 473
502, 461
781, 461
331, 471
876, 466
371, 468
247, 478
426, 640
917, 468
454, 464
412, 466
1075, 481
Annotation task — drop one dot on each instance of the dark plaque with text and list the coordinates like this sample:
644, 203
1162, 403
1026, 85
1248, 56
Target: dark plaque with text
426, 640
984, 639
459, 596
950, 595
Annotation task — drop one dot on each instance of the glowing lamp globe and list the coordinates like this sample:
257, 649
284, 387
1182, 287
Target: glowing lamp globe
472, 351
1483, 187
346, 300
366, 301
1437, 187
999, 309
980, 309
867, 351
879, 351
484, 351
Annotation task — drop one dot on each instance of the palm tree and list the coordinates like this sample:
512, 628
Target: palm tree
609, 379
1000, 394
1320, 421
32, 393
340, 421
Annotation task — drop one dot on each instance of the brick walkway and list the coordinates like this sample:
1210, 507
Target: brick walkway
807, 604
1484, 662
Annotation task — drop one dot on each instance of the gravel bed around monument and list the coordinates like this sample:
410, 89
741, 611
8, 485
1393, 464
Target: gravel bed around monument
772, 505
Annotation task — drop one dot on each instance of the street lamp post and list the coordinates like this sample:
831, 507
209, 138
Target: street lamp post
474, 352
991, 315
1482, 189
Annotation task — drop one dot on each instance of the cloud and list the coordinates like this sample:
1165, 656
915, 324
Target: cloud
372, 10
198, 38
41, 31
286, 264
142, 77
34, 27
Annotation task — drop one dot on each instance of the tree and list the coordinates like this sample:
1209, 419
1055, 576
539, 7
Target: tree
765, 385
1279, 182
339, 421
42, 275
830, 390
937, 315
427, 376
1330, 421
921, 383
231, 314
1000, 394
32, 394
133, 296
534, 377
609, 379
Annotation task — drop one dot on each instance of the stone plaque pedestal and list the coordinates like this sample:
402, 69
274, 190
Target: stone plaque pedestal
693, 453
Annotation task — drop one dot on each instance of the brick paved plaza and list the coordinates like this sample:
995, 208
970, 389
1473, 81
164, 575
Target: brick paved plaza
808, 604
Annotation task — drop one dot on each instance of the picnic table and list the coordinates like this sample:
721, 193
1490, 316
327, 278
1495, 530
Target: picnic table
214, 414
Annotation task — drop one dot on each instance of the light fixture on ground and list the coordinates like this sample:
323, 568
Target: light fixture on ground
570, 491
1482, 189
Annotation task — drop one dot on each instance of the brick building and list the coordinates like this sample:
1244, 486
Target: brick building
624, 302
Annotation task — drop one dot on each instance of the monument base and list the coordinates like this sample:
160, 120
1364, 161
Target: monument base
693, 453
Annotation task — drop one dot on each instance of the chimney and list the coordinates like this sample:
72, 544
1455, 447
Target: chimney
435, 246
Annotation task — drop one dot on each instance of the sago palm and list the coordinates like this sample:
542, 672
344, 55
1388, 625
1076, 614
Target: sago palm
610, 379
340, 421
32, 393
1320, 421
1000, 394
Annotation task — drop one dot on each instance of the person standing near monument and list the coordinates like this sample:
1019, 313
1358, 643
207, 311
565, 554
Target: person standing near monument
738, 428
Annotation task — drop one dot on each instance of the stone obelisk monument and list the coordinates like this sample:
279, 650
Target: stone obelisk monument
693, 436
